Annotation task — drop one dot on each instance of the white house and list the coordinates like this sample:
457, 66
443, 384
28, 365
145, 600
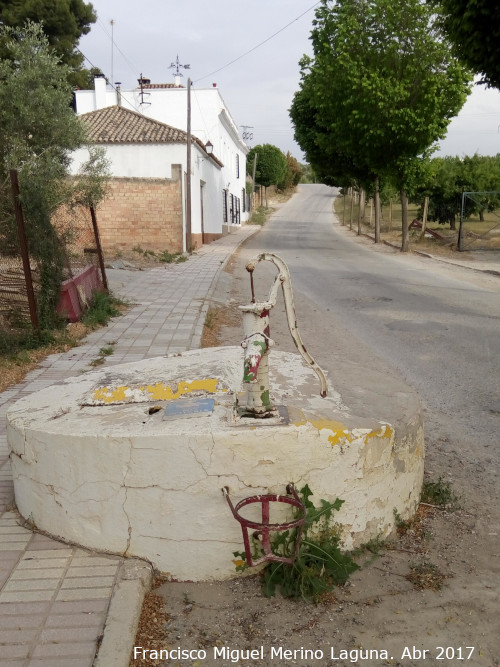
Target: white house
147, 202
219, 198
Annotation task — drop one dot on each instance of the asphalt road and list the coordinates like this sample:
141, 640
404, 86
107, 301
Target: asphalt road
435, 325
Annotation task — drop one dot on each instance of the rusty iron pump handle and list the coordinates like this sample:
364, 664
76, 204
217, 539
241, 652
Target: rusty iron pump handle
283, 279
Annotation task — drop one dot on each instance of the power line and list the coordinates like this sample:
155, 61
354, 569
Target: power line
258, 45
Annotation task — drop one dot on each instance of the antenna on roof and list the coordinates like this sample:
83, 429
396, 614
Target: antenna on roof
142, 82
177, 66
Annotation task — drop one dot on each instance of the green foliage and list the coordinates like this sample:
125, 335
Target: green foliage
474, 30
319, 564
171, 257
64, 22
438, 493
450, 176
16, 342
271, 164
380, 90
293, 174
102, 308
38, 132
260, 216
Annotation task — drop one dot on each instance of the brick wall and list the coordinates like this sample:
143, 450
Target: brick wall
145, 212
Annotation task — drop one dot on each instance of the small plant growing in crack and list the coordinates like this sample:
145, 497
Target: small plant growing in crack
103, 353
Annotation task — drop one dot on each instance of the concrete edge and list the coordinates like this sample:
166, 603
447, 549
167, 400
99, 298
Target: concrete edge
135, 580
428, 255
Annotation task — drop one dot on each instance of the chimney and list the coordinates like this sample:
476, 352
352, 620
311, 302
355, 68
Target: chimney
100, 92
118, 94
177, 82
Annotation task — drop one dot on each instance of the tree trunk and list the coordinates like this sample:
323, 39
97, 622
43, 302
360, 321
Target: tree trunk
377, 210
405, 241
453, 225
361, 211
352, 208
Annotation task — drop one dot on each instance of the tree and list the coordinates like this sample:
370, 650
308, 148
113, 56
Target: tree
64, 22
473, 27
38, 132
383, 87
292, 175
271, 164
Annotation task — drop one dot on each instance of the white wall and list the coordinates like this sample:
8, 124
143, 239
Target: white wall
210, 120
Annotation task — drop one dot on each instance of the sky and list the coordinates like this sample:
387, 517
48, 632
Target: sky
251, 50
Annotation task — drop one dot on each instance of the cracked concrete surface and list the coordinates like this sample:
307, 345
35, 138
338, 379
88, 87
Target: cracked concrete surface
131, 484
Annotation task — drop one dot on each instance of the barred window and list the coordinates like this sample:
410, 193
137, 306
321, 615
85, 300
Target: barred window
224, 206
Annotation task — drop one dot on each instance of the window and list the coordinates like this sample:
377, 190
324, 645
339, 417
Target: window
224, 206
237, 165
244, 199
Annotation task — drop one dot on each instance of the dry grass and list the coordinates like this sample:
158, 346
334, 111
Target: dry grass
216, 319
152, 631
14, 368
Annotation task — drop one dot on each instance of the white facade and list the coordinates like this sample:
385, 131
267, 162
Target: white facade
210, 121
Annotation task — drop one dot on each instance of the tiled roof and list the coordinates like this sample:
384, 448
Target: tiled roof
154, 86
116, 125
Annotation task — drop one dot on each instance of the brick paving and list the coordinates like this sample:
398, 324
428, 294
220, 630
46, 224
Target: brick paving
54, 597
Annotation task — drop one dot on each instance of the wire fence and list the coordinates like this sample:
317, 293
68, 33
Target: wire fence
478, 228
480, 221
22, 269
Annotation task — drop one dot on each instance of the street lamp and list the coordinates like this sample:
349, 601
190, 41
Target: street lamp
209, 147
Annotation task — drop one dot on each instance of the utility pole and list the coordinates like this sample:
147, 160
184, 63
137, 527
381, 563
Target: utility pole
188, 169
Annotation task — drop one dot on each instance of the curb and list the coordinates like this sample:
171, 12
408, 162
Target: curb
436, 258
135, 579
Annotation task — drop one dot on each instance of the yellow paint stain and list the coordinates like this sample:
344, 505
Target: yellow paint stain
104, 394
341, 435
155, 392
385, 431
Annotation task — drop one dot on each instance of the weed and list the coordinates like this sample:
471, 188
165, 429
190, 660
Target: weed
319, 564
103, 306
211, 318
439, 493
402, 526
171, 257
260, 215
426, 575
106, 351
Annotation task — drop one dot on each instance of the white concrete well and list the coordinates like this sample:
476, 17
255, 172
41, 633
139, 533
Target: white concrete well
96, 463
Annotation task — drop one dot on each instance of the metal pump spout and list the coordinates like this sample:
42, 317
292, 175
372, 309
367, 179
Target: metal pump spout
257, 341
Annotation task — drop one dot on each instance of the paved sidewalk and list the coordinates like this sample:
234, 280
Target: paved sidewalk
55, 598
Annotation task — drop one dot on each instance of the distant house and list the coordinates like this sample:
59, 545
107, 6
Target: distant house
219, 200
146, 206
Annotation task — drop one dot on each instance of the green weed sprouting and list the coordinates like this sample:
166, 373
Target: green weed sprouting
102, 307
319, 565
439, 493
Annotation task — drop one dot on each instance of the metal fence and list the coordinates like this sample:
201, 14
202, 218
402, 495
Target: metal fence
21, 288
480, 221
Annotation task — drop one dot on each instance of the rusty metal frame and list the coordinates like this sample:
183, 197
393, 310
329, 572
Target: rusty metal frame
264, 528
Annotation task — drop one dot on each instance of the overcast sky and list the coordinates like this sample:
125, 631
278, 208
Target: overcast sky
258, 88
